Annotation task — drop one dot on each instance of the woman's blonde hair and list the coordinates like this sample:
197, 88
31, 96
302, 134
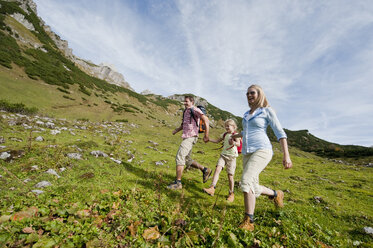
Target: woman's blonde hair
231, 122
261, 101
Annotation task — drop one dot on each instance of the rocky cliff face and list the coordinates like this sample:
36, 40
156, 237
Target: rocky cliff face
26, 3
101, 71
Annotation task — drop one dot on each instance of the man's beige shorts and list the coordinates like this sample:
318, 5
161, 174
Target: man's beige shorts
183, 156
229, 161
253, 164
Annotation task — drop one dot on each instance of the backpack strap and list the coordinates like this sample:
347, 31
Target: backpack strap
192, 116
224, 135
182, 120
232, 145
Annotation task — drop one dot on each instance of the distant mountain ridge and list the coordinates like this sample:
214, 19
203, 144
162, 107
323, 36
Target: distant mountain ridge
101, 71
26, 42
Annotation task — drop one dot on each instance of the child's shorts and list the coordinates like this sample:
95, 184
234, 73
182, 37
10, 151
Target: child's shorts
229, 161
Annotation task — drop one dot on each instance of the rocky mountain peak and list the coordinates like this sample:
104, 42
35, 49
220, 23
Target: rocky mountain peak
197, 100
24, 4
101, 71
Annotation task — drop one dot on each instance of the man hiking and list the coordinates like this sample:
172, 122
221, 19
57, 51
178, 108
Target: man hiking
190, 127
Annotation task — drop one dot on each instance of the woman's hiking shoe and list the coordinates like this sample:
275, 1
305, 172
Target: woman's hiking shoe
210, 191
279, 199
230, 197
206, 174
175, 185
247, 224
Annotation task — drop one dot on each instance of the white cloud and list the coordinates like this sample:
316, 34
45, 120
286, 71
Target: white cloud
312, 58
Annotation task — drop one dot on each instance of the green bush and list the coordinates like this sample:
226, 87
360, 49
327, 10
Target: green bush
67, 97
121, 120
84, 90
17, 108
63, 90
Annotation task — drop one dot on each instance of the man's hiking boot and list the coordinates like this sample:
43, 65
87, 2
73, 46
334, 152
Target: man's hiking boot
247, 224
279, 199
230, 197
206, 174
175, 185
210, 190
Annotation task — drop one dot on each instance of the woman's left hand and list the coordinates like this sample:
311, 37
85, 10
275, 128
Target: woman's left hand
287, 162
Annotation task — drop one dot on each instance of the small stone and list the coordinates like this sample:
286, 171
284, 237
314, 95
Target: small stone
99, 154
15, 139
4, 155
37, 191
52, 172
368, 230
40, 123
74, 155
356, 243
43, 184
131, 158
54, 132
153, 143
39, 138
49, 124
116, 161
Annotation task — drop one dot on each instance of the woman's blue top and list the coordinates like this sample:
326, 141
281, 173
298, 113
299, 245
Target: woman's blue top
254, 130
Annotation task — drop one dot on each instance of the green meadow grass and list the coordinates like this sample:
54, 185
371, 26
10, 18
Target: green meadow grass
99, 203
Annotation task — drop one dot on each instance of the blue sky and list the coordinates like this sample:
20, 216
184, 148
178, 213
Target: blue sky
314, 59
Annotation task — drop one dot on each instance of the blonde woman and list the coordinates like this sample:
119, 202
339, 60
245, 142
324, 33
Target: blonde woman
257, 151
227, 159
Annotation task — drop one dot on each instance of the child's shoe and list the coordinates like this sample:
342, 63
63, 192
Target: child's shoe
230, 197
247, 224
210, 191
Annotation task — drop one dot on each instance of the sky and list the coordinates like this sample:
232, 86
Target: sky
313, 59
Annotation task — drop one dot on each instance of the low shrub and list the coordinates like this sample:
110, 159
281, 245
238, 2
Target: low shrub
17, 108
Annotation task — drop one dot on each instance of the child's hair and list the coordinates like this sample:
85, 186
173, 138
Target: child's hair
231, 122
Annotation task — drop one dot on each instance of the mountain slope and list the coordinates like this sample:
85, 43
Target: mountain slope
70, 183
91, 168
38, 69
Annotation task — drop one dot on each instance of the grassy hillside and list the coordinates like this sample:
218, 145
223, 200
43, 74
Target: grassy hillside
119, 198
99, 202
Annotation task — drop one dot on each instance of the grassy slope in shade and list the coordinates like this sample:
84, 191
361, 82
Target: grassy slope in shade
99, 203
